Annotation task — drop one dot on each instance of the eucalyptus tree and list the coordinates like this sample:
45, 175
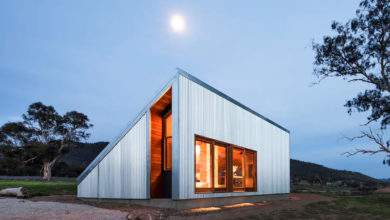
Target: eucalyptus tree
358, 51
44, 135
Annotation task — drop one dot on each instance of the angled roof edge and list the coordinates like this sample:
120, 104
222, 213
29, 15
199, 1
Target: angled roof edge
130, 125
223, 95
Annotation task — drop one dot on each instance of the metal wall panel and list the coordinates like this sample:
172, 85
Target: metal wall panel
206, 113
175, 140
121, 173
88, 188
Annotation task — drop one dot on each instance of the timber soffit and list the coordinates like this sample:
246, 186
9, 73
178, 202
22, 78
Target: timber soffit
112, 144
115, 141
223, 95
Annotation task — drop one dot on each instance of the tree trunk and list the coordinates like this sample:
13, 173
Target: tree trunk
47, 170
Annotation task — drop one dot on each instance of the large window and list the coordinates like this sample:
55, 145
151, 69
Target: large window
222, 167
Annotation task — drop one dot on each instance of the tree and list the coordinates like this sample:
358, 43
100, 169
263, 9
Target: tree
358, 52
44, 135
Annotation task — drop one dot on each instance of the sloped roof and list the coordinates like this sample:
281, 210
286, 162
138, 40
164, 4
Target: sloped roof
112, 144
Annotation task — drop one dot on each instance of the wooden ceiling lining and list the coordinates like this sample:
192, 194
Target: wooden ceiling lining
163, 102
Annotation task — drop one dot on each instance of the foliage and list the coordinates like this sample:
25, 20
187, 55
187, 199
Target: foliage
42, 188
359, 52
43, 136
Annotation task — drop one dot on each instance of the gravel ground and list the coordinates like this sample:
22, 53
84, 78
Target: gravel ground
12, 208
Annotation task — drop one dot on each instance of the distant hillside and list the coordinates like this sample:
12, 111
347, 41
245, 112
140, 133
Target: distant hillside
83, 154
315, 173
386, 180
74, 162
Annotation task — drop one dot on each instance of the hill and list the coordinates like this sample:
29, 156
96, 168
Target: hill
74, 162
315, 173
83, 154
386, 180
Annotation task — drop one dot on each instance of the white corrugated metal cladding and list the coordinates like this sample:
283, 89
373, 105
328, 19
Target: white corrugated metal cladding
205, 113
122, 172
197, 109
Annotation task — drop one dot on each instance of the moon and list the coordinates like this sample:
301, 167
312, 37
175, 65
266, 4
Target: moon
178, 23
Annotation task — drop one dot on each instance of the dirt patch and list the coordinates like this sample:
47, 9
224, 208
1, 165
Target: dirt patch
11, 208
383, 190
133, 210
292, 202
295, 206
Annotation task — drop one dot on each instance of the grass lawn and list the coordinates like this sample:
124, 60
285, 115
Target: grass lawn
374, 204
42, 188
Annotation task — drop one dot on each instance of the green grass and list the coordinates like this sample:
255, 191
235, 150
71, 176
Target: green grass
374, 204
42, 188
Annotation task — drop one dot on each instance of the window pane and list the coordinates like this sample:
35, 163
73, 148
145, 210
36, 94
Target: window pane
168, 125
238, 168
203, 164
168, 153
219, 166
168, 142
250, 169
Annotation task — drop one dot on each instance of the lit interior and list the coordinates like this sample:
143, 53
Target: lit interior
238, 168
168, 142
249, 169
222, 167
203, 165
219, 166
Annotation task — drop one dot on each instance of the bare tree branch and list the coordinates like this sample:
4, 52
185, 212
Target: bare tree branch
382, 146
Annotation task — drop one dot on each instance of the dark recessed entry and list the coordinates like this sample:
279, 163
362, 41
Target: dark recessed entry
161, 147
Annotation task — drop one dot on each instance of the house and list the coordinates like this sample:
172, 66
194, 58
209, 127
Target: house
191, 141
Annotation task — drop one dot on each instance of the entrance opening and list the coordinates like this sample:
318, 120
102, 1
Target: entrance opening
161, 147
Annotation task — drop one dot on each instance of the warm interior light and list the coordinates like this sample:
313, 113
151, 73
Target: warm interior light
205, 209
197, 150
203, 164
238, 205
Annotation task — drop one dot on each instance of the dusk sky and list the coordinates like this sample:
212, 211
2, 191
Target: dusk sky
108, 58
